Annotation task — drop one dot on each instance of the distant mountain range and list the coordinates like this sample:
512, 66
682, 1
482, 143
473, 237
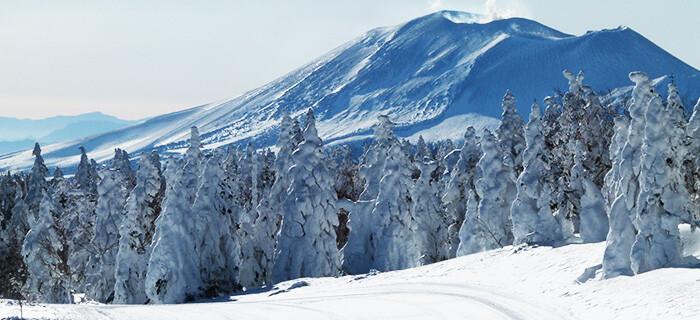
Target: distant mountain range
434, 76
21, 134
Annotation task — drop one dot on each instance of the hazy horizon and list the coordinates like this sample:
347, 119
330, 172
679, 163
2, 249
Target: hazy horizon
134, 60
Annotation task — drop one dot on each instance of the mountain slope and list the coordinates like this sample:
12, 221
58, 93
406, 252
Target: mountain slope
434, 75
20, 134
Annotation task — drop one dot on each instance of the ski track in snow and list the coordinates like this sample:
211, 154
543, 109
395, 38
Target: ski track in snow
509, 283
421, 300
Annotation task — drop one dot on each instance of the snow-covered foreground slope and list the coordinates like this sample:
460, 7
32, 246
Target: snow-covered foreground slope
509, 283
434, 76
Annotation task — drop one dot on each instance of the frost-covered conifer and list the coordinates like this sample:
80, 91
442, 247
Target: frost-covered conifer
693, 160
306, 245
511, 135
136, 231
593, 212
393, 238
612, 178
358, 251
375, 157
86, 176
45, 252
36, 187
490, 227
423, 152
596, 133
461, 181
533, 222
431, 229
113, 190
12, 268
270, 208
621, 236
247, 200
348, 184
218, 254
660, 204
173, 270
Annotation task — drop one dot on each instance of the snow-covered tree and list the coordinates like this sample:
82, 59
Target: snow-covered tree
46, 255
12, 270
113, 190
247, 198
306, 245
626, 169
660, 206
490, 227
596, 134
423, 152
270, 208
693, 159
173, 270
533, 221
431, 228
36, 189
393, 238
348, 184
511, 135
457, 191
358, 251
375, 157
218, 254
612, 178
86, 176
593, 211
136, 231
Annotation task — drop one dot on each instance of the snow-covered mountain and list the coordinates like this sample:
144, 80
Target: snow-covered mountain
434, 76
20, 134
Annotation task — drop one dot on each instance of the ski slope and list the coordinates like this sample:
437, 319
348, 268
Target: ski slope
434, 75
510, 283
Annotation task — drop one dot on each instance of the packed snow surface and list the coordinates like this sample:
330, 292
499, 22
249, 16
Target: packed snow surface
446, 70
509, 283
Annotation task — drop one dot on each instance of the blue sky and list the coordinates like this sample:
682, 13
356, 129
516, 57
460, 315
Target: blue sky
135, 59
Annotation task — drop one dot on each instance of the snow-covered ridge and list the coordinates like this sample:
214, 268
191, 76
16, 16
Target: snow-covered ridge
425, 74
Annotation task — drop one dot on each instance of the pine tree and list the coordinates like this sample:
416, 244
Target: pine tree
490, 227
173, 270
113, 190
431, 229
660, 206
12, 270
218, 254
358, 251
612, 178
394, 243
511, 135
593, 212
86, 176
36, 188
136, 231
621, 236
692, 163
247, 199
46, 255
306, 245
533, 221
270, 209
456, 194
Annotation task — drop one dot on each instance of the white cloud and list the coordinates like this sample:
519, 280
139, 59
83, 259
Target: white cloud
495, 13
436, 4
